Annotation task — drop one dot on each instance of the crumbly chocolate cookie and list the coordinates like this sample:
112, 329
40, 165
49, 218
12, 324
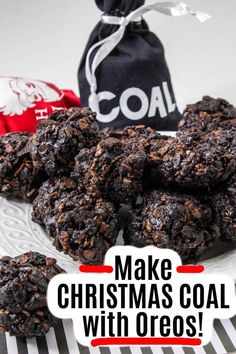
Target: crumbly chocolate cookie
139, 136
170, 220
208, 114
115, 168
23, 286
62, 115
49, 193
58, 140
18, 177
85, 227
224, 138
224, 206
189, 164
117, 171
81, 226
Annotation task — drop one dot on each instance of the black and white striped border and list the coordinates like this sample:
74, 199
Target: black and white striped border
62, 341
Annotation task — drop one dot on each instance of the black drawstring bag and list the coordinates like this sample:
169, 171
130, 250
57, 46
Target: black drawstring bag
123, 75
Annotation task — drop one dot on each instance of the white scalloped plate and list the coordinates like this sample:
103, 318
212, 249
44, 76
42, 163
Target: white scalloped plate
19, 234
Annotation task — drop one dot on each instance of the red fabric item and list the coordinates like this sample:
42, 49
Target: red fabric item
25, 102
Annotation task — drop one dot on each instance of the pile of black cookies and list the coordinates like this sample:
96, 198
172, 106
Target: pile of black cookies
78, 178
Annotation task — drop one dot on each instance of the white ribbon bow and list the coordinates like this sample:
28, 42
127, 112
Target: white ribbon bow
109, 43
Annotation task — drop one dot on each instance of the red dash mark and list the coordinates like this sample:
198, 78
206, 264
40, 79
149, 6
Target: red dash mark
190, 269
146, 341
96, 269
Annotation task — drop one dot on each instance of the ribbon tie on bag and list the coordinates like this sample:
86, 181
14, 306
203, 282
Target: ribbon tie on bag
106, 45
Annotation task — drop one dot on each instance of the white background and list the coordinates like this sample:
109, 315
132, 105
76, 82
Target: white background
45, 39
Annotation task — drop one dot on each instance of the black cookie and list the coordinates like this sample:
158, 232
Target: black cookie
140, 136
117, 171
18, 177
85, 227
49, 193
208, 114
82, 226
58, 140
189, 164
170, 220
23, 286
